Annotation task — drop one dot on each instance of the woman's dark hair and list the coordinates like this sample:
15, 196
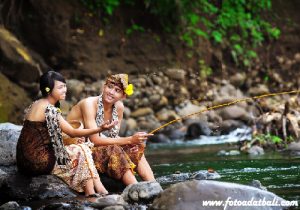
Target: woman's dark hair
47, 81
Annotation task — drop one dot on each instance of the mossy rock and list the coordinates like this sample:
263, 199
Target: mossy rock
13, 101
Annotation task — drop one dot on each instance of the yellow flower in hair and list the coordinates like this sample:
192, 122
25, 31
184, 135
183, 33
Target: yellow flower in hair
59, 110
129, 90
47, 89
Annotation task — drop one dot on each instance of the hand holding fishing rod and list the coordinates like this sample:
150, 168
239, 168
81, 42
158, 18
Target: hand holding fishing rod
140, 137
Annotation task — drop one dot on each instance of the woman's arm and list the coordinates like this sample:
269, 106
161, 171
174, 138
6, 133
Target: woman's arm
72, 132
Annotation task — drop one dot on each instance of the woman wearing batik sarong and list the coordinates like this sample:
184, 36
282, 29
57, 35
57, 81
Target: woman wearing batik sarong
40, 148
118, 157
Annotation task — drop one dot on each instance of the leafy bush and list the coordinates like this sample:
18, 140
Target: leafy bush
236, 24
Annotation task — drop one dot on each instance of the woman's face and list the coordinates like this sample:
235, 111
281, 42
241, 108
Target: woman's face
112, 93
59, 90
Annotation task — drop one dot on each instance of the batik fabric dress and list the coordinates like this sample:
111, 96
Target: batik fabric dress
114, 160
40, 150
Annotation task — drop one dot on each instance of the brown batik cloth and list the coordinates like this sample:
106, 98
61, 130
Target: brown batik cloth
40, 150
114, 160
35, 155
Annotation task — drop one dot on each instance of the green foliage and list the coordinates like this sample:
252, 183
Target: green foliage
108, 6
205, 70
134, 27
264, 138
236, 24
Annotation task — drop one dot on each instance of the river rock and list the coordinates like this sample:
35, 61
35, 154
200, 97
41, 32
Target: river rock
230, 153
21, 187
65, 107
196, 129
191, 194
15, 186
11, 205
166, 115
157, 80
142, 191
75, 88
228, 90
257, 184
176, 74
205, 174
117, 207
177, 134
227, 126
172, 178
127, 112
163, 101
154, 99
149, 124
234, 113
131, 124
189, 108
109, 200
238, 79
142, 112
258, 90
256, 150
9, 135
294, 148
212, 116
158, 138
3, 176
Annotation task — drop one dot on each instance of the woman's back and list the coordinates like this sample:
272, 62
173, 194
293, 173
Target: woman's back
35, 155
36, 112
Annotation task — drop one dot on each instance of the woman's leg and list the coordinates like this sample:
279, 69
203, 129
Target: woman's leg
99, 186
144, 170
89, 187
129, 178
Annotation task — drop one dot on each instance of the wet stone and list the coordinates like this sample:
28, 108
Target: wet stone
142, 192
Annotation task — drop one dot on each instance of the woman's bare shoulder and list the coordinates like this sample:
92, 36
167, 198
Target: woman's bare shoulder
39, 105
37, 110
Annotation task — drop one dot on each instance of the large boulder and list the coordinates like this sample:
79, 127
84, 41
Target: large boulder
17, 186
193, 195
9, 134
13, 101
22, 64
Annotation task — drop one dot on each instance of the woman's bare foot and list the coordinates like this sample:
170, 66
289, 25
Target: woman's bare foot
89, 188
99, 187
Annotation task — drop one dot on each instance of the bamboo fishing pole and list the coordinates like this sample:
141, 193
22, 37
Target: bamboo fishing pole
223, 105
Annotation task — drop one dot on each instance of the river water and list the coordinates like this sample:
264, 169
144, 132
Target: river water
278, 172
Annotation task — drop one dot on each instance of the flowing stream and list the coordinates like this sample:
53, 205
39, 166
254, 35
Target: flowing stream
278, 172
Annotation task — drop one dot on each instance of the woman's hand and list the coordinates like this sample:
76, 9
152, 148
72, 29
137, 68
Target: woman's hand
139, 137
80, 140
108, 125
